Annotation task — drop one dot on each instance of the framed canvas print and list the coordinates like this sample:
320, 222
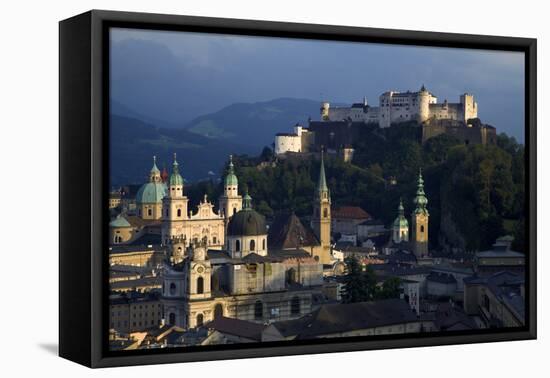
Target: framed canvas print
234, 188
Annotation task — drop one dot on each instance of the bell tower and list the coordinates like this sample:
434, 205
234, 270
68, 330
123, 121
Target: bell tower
230, 201
199, 272
420, 218
320, 222
174, 206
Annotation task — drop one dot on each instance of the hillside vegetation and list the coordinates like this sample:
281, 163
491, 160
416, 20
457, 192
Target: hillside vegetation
476, 193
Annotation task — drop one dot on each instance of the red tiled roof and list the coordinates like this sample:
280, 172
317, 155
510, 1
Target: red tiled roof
350, 212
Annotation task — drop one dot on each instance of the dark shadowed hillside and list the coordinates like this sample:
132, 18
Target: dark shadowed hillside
134, 142
255, 123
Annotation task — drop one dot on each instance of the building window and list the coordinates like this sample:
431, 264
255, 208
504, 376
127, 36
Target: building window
172, 288
295, 306
325, 213
218, 311
179, 213
200, 320
258, 310
252, 245
149, 212
214, 240
200, 285
172, 318
234, 210
237, 245
263, 244
422, 228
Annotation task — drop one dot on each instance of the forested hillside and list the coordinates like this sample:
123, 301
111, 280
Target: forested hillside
475, 192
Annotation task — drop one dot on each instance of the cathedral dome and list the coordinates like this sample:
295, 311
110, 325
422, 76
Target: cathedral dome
247, 223
152, 192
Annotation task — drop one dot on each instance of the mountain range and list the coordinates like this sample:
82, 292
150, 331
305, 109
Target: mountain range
203, 144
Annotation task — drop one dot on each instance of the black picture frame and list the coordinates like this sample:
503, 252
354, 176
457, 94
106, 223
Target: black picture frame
83, 164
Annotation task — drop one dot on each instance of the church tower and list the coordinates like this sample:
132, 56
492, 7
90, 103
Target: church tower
420, 217
230, 201
174, 206
320, 222
400, 228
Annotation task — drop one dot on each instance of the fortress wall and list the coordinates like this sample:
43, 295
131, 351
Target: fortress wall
446, 111
468, 135
333, 135
401, 114
288, 143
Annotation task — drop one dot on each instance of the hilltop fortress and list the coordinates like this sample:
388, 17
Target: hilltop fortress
396, 107
339, 126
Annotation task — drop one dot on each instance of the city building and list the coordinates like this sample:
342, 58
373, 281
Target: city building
498, 299
247, 280
383, 317
135, 312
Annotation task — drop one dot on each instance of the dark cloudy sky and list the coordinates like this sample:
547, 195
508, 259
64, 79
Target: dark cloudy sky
176, 76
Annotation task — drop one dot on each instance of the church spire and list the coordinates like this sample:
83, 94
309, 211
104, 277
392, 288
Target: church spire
154, 174
420, 200
175, 177
322, 184
230, 177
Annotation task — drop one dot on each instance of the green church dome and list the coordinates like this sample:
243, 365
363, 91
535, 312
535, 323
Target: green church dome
119, 222
152, 192
175, 177
401, 221
231, 178
247, 222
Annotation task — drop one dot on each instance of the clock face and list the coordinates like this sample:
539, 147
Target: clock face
200, 269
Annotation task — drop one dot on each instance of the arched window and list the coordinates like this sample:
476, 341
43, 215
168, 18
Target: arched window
252, 245
172, 319
179, 213
172, 288
422, 228
263, 244
234, 210
214, 240
237, 245
325, 213
218, 311
150, 212
200, 320
258, 310
200, 285
295, 306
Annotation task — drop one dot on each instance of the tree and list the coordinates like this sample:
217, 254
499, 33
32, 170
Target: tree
390, 288
359, 285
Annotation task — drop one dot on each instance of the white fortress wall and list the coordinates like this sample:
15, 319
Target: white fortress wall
288, 143
396, 107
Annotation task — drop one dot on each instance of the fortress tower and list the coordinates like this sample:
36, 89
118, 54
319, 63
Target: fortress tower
423, 105
320, 222
325, 109
468, 107
420, 218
